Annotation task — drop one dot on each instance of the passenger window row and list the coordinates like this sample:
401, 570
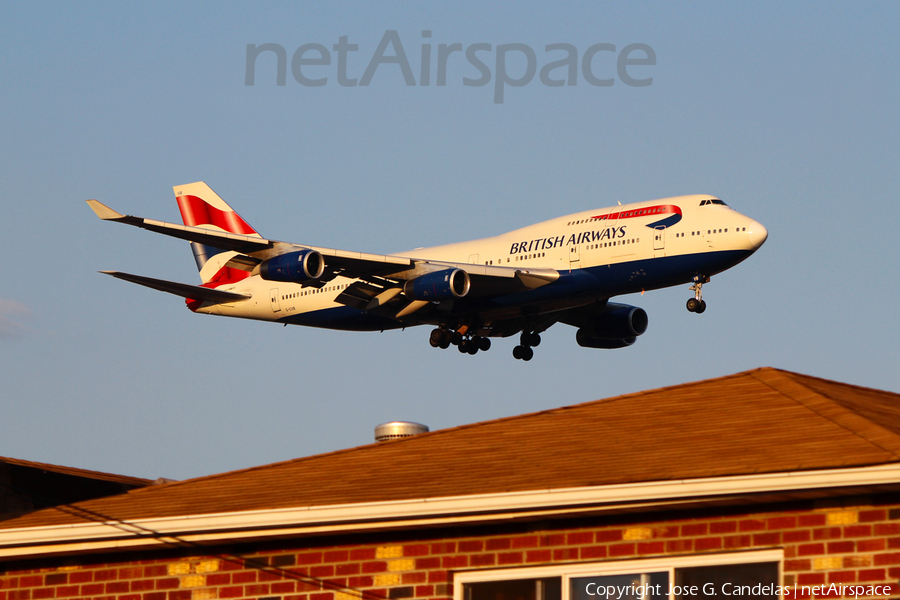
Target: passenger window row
319, 291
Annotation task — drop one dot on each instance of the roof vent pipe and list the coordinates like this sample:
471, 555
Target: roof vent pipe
398, 429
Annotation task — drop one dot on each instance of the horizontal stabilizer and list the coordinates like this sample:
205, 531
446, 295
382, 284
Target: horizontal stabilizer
194, 292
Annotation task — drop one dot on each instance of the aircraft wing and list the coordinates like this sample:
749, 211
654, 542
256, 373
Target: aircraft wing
211, 237
485, 277
382, 270
184, 290
490, 280
361, 264
357, 263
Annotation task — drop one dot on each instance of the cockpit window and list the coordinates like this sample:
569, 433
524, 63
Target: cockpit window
712, 201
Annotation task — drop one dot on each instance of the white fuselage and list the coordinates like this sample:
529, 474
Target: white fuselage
619, 245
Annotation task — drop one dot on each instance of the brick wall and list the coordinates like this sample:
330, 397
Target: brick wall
856, 543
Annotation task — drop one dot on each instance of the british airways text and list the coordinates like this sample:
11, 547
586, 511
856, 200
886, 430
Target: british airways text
584, 237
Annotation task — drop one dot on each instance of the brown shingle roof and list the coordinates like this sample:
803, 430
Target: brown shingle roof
760, 421
76, 472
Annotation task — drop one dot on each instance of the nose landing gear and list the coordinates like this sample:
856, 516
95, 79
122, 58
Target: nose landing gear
697, 304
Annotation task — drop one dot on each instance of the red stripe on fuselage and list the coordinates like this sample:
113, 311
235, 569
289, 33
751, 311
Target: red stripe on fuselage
197, 212
647, 211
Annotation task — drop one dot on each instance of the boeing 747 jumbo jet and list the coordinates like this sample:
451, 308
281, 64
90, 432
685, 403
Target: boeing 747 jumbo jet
560, 271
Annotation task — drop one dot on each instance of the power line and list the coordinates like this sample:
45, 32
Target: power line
175, 541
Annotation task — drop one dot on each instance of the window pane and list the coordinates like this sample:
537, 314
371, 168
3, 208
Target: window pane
516, 589
721, 581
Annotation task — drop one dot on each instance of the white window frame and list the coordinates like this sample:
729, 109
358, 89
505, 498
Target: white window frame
657, 564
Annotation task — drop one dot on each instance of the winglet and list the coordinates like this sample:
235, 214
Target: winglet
103, 211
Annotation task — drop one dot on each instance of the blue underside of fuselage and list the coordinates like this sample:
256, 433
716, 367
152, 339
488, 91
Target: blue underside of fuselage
603, 281
342, 317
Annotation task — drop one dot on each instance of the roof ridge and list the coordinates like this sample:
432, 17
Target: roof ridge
838, 383
829, 408
444, 431
502, 420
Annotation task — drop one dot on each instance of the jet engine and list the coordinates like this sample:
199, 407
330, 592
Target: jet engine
616, 328
586, 341
440, 285
294, 267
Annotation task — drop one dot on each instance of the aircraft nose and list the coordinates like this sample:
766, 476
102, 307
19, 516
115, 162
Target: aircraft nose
757, 234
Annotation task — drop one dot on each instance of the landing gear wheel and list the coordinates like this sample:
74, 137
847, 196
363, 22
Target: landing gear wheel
697, 304
440, 338
530, 339
480, 343
523, 353
469, 345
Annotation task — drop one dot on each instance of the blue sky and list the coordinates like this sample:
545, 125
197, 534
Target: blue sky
786, 111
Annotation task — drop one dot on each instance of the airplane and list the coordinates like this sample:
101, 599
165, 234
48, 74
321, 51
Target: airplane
564, 270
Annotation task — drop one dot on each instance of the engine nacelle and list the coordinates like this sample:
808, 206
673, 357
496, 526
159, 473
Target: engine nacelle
440, 285
293, 267
621, 322
585, 340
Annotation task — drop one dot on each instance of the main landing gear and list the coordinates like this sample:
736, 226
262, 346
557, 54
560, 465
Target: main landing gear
466, 344
523, 351
697, 304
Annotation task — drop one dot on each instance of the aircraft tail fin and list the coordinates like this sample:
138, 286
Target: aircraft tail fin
200, 206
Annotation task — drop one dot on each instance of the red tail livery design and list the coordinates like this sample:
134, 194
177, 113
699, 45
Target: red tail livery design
565, 270
201, 207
